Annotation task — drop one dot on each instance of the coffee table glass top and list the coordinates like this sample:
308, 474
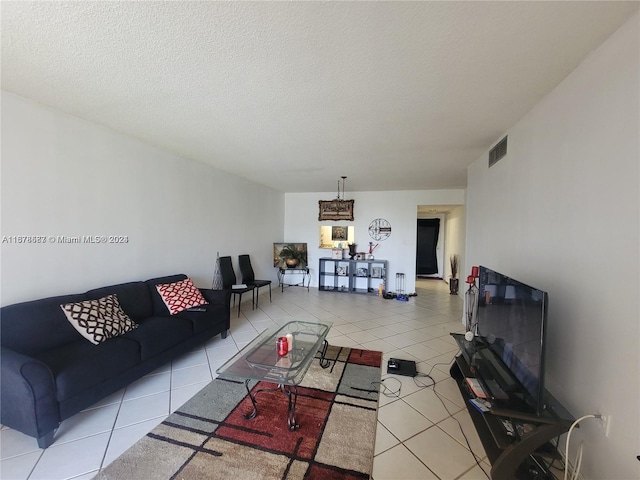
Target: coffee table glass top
260, 361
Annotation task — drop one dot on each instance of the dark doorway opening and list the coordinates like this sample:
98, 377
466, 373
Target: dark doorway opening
426, 260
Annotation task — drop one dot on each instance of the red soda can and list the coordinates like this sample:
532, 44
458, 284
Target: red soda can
283, 346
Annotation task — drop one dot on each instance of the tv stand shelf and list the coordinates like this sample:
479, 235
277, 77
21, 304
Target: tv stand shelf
510, 455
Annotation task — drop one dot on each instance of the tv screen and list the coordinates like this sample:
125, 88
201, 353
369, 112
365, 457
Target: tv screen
512, 320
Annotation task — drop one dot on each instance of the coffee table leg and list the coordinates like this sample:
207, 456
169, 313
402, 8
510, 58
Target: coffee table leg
292, 393
253, 402
253, 398
324, 363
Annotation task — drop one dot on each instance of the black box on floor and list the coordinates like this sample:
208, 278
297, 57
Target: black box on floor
397, 366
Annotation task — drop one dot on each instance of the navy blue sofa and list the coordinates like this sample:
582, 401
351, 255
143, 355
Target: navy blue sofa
49, 372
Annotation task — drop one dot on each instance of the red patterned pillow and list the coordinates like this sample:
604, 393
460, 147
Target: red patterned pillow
180, 295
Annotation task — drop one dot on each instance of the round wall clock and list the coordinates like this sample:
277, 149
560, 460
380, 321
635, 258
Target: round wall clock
379, 229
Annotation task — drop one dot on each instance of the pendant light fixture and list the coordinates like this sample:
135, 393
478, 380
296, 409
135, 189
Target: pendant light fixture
339, 208
339, 204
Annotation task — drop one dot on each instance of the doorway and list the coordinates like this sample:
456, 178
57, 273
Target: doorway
426, 243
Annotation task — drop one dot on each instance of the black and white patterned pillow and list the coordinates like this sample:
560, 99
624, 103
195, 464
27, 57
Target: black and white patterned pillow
98, 320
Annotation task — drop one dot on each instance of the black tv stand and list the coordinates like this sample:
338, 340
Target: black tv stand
513, 456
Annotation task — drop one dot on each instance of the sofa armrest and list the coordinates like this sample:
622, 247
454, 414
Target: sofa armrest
27, 394
221, 298
216, 297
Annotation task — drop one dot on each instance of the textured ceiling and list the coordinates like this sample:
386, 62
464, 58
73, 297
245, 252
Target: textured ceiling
292, 95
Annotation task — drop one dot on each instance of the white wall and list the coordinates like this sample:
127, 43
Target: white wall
455, 228
64, 176
399, 208
561, 212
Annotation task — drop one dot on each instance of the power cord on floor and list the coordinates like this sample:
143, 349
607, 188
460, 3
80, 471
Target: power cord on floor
553, 460
578, 461
386, 391
433, 386
475, 456
419, 383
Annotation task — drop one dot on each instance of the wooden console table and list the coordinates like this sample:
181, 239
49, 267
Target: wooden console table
511, 456
304, 271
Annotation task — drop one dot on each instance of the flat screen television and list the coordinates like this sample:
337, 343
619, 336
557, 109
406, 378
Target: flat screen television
512, 320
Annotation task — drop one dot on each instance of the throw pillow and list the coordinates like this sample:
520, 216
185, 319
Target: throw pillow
180, 295
98, 320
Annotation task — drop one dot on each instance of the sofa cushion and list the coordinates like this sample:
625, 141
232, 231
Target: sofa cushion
213, 315
159, 307
157, 334
98, 320
134, 298
37, 326
180, 295
79, 366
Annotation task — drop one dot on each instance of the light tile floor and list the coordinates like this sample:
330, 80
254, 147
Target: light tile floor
419, 433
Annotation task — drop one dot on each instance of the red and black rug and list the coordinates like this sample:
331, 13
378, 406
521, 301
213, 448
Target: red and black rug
208, 438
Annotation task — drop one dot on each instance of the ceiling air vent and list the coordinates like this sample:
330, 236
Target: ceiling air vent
497, 152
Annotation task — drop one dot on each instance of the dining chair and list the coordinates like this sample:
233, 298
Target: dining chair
249, 278
229, 283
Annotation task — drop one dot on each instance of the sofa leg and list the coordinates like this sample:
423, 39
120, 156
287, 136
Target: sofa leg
224, 334
46, 440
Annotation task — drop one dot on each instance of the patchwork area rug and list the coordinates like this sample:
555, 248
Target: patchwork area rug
208, 438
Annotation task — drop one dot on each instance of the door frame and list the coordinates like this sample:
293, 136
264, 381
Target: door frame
440, 245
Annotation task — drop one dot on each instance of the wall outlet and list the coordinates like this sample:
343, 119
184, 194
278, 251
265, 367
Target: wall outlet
605, 421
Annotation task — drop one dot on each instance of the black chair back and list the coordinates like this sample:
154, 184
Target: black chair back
226, 270
246, 270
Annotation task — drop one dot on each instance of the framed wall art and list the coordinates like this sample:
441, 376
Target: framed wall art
342, 270
362, 272
339, 234
329, 236
335, 210
290, 255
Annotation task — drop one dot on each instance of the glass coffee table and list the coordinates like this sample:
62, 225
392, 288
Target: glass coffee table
260, 361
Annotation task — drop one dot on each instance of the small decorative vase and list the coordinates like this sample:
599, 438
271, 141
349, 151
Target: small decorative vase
291, 262
352, 250
453, 286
